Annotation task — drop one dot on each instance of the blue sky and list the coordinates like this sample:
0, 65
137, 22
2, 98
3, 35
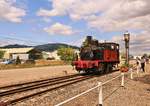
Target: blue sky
31, 27
69, 21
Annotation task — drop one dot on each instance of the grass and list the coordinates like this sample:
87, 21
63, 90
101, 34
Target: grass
39, 63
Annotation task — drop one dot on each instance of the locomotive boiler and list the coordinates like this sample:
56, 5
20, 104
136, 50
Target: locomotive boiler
97, 57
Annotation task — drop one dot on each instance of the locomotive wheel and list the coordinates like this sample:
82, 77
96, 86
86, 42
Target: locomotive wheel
87, 71
100, 68
109, 68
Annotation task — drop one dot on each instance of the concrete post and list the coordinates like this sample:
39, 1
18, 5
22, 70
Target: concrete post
100, 98
122, 80
131, 73
137, 70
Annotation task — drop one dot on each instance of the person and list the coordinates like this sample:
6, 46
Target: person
138, 63
143, 64
147, 60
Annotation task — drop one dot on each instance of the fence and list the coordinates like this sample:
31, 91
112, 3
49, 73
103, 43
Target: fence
100, 86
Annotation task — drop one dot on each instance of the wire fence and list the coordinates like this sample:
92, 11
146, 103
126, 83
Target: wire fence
100, 85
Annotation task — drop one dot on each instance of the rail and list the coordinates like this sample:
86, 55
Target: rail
100, 84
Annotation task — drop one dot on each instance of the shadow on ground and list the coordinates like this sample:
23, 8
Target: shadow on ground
145, 79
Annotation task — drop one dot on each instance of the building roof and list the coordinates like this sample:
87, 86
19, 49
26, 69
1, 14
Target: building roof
17, 50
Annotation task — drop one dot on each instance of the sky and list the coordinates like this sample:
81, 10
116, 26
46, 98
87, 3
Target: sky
33, 22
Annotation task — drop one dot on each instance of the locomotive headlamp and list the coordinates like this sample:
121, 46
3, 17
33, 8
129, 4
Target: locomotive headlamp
117, 47
112, 47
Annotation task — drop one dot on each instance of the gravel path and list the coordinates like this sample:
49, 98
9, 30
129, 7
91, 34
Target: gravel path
135, 93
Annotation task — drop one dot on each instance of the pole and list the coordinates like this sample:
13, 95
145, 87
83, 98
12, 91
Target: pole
128, 56
122, 80
131, 75
127, 51
100, 98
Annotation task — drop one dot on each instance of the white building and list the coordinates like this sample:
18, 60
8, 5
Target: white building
13, 53
138, 56
51, 55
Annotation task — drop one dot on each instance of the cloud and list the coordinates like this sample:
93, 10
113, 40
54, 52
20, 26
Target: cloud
76, 9
47, 20
107, 15
9, 12
59, 29
139, 43
131, 14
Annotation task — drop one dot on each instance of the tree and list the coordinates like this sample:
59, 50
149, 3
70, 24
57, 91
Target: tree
123, 55
66, 54
145, 55
18, 61
148, 56
2, 54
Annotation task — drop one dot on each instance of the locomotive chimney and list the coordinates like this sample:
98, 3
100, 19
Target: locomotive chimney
89, 39
96, 42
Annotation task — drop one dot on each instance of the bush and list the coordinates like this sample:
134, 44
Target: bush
18, 61
31, 61
66, 54
2, 54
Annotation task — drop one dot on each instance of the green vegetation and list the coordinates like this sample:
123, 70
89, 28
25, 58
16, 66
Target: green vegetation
127, 65
53, 47
38, 63
123, 55
145, 55
66, 53
18, 61
45, 47
2, 54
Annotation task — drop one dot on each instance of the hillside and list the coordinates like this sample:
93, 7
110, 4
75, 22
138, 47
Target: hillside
53, 46
15, 46
44, 47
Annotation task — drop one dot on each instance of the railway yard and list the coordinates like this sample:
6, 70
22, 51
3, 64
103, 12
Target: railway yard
74, 53
54, 86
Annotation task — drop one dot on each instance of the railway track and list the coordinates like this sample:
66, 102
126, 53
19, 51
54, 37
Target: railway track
38, 81
31, 88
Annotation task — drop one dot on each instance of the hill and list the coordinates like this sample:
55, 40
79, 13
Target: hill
53, 46
44, 47
15, 46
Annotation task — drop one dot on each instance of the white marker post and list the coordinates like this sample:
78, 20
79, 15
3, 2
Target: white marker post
122, 79
131, 73
100, 98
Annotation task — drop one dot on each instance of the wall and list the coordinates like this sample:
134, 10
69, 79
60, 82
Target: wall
21, 56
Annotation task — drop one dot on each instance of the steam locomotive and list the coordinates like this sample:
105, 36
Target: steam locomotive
97, 57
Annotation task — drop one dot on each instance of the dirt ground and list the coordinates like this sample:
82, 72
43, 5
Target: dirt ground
135, 93
28, 74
